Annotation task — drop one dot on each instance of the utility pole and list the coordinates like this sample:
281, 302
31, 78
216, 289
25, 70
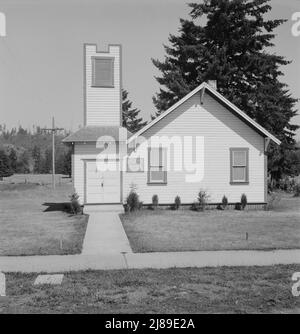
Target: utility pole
53, 131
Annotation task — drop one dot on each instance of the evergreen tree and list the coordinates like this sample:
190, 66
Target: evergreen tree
37, 159
13, 160
232, 48
47, 165
67, 166
23, 163
5, 169
130, 119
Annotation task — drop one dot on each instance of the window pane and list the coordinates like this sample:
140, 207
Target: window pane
154, 157
239, 158
239, 174
103, 72
157, 174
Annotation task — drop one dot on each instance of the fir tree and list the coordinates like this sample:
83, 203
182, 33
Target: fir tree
23, 163
67, 166
47, 165
13, 160
232, 48
130, 119
37, 159
5, 169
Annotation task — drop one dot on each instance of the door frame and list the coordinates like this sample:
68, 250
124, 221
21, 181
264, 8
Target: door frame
85, 161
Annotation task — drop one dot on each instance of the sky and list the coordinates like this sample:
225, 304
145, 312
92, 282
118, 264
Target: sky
41, 58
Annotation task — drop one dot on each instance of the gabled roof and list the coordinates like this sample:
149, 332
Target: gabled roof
92, 133
235, 110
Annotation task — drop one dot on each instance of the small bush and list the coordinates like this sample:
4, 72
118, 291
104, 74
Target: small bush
177, 202
155, 201
75, 205
126, 207
238, 206
296, 190
243, 201
273, 200
287, 184
224, 202
271, 185
220, 207
202, 199
132, 201
195, 206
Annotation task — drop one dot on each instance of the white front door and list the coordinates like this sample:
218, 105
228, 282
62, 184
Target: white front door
102, 186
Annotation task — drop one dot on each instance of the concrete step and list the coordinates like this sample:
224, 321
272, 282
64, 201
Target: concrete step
118, 208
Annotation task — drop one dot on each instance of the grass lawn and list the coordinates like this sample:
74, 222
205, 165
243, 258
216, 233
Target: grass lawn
188, 290
33, 220
185, 230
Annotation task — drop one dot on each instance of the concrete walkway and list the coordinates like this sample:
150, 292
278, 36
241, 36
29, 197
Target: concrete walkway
65, 263
212, 258
105, 233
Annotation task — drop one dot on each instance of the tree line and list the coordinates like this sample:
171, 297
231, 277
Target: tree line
25, 151
30, 151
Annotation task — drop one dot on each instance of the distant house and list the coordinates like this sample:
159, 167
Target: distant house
201, 142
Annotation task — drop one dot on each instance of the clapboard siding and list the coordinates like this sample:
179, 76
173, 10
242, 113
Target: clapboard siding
221, 131
102, 104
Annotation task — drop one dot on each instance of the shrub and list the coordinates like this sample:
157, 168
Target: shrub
195, 206
273, 200
296, 190
287, 184
220, 207
75, 205
126, 207
238, 206
243, 201
177, 202
224, 202
272, 184
132, 201
155, 201
202, 199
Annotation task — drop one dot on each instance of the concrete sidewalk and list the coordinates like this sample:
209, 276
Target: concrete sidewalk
105, 233
61, 263
212, 258
65, 263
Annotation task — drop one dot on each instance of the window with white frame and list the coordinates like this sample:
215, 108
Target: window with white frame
239, 164
157, 173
